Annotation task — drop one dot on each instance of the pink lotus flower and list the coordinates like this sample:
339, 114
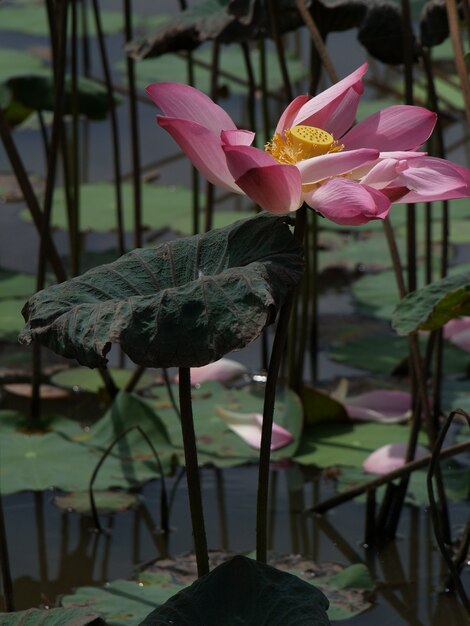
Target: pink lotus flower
349, 174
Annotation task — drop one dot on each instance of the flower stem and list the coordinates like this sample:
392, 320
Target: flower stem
268, 410
192, 471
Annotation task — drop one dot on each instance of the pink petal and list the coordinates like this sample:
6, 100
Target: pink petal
248, 426
203, 148
382, 405
462, 339
389, 458
456, 326
188, 103
328, 165
237, 137
399, 127
430, 178
380, 175
287, 118
346, 202
274, 187
321, 109
223, 370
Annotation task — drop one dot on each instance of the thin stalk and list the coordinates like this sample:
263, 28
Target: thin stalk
60, 30
164, 515
420, 401
7, 582
312, 259
251, 93
459, 54
317, 40
272, 6
75, 151
434, 509
134, 128
192, 472
268, 410
116, 152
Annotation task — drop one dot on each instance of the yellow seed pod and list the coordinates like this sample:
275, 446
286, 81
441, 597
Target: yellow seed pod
310, 140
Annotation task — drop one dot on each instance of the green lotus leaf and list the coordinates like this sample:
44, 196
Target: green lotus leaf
35, 91
183, 303
243, 591
432, 306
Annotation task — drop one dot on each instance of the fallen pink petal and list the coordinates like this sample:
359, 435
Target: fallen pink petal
380, 405
389, 458
457, 331
248, 427
349, 174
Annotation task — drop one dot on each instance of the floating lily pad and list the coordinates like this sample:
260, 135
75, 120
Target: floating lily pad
456, 482
11, 321
14, 62
106, 501
174, 68
217, 444
365, 253
85, 379
47, 392
126, 603
328, 444
65, 458
9, 188
163, 207
383, 354
52, 617
31, 19
16, 284
36, 91
377, 294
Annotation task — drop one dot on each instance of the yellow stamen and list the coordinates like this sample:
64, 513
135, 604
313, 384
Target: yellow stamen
301, 142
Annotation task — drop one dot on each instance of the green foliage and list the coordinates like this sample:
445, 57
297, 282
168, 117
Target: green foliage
64, 456
432, 306
84, 379
183, 303
30, 18
125, 602
106, 501
162, 207
36, 92
328, 444
52, 617
246, 592
15, 62
217, 444
232, 68
319, 406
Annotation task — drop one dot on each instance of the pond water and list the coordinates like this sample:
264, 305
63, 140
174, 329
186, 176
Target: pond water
54, 551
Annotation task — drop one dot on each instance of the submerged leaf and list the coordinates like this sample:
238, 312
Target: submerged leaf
183, 303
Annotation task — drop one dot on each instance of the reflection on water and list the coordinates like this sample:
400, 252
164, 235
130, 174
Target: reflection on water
52, 551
